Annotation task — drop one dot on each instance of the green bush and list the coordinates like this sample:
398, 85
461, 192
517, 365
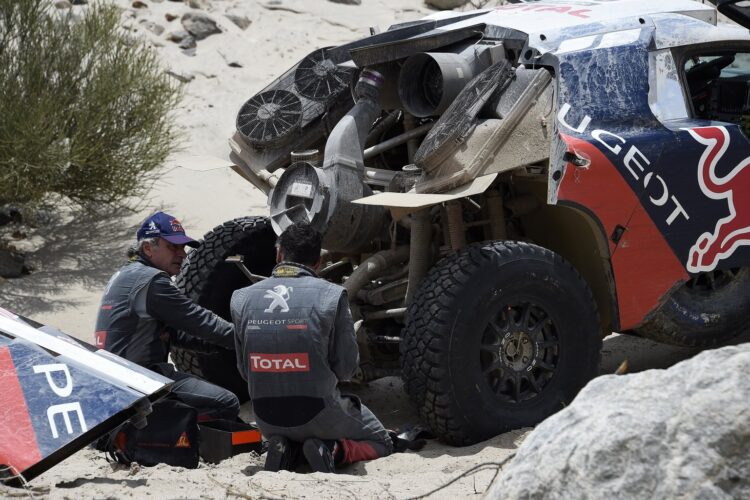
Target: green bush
84, 108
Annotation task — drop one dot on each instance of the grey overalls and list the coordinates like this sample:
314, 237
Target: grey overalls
295, 340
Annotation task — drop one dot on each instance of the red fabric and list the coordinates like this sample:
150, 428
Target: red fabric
356, 451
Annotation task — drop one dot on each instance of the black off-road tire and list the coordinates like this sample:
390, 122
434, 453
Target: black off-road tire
708, 310
457, 366
207, 279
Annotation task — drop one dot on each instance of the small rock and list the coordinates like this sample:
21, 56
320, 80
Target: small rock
10, 214
187, 43
139, 5
170, 17
63, 4
234, 64
200, 25
198, 4
156, 29
178, 36
12, 264
189, 52
241, 21
183, 77
80, 2
347, 2
446, 4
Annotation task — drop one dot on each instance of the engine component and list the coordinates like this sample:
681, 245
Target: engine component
318, 77
456, 123
269, 118
292, 113
322, 196
429, 82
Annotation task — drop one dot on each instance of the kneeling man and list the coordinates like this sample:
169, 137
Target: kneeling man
295, 341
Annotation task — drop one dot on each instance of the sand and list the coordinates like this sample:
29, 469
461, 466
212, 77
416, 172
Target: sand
77, 253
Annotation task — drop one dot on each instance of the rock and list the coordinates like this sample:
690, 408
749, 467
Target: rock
199, 4
63, 4
156, 29
677, 433
445, 4
170, 17
347, 2
10, 214
187, 43
139, 5
189, 52
241, 21
178, 36
184, 77
79, 2
199, 24
12, 264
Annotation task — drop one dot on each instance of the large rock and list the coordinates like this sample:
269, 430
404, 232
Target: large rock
677, 433
199, 24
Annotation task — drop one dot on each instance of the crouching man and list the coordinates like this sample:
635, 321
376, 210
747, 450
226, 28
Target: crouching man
295, 341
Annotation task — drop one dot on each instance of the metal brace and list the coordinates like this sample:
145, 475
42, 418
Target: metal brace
239, 261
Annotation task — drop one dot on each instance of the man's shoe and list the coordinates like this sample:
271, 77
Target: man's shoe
280, 454
319, 455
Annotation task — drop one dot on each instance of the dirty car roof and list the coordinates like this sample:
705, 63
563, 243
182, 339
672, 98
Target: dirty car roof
552, 25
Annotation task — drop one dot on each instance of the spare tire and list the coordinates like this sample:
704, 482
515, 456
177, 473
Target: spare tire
208, 280
708, 310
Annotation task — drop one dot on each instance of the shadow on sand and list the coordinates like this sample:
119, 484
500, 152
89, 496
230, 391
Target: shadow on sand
79, 251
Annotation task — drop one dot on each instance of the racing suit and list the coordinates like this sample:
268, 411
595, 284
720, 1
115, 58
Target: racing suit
295, 340
142, 314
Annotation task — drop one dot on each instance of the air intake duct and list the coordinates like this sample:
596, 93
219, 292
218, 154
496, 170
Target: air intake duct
430, 81
322, 195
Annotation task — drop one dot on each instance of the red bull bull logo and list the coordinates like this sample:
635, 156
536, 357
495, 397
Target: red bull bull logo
176, 226
732, 231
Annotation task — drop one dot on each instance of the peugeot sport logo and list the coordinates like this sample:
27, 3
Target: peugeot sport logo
733, 230
279, 295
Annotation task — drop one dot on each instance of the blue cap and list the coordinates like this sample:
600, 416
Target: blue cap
161, 225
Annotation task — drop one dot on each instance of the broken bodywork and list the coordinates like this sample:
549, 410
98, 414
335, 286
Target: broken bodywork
60, 394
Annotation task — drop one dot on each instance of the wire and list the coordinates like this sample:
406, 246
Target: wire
477, 468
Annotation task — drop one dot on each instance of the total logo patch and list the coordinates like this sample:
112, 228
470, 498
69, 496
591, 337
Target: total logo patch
279, 363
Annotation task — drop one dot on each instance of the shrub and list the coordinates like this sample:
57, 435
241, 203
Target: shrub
84, 108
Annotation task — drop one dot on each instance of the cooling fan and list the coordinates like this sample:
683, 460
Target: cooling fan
270, 118
317, 77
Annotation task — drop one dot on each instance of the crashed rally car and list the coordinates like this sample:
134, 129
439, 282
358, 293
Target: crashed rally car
500, 189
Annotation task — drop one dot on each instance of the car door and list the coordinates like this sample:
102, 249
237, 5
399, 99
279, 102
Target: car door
706, 166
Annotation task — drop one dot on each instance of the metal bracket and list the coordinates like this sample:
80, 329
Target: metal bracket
239, 261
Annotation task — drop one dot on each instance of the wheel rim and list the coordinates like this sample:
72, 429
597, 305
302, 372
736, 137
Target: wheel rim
519, 352
709, 282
